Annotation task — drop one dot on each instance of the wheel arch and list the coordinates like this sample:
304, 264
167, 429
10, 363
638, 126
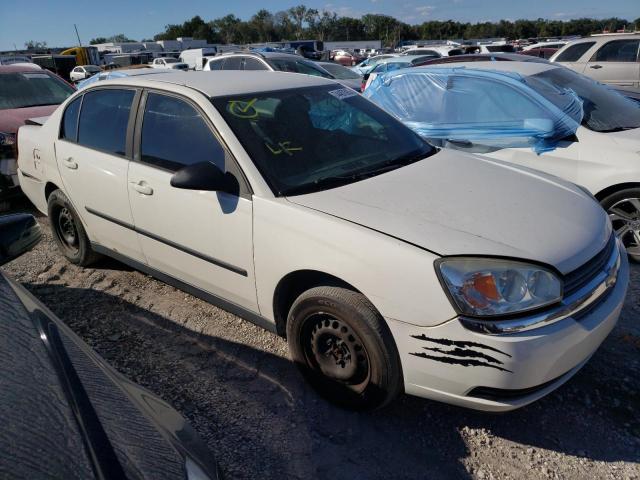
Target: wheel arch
292, 285
601, 195
49, 188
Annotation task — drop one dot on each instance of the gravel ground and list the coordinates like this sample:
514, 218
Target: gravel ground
235, 384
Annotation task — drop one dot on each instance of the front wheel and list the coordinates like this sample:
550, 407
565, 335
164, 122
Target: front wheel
623, 208
68, 231
344, 348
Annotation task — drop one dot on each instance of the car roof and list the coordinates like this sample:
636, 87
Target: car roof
20, 68
525, 69
231, 82
399, 59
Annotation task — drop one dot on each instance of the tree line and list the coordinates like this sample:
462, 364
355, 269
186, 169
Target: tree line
302, 22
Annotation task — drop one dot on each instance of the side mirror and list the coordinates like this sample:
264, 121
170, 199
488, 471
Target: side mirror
19, 233
204, 176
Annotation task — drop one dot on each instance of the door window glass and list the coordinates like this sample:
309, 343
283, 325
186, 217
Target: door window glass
174, 134
104, 119
618, 51
69, 127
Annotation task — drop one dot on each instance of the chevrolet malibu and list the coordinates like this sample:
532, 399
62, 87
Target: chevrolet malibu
291, 201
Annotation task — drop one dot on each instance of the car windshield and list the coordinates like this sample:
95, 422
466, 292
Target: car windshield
298, 66
91, 68
340, 72
604, 109
311, 139
170, 60
32, 89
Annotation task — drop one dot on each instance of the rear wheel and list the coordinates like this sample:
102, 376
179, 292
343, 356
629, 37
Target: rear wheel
68, 231
623, 208
344, 348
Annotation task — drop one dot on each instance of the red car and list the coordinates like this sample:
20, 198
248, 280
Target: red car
26, 91
540, 52
348, 58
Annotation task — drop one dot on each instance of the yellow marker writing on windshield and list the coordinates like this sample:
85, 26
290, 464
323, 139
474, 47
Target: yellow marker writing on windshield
285, 147
242, 109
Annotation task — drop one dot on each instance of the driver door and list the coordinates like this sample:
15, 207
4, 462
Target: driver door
201, 238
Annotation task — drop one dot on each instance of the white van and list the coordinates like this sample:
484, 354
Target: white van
195, 57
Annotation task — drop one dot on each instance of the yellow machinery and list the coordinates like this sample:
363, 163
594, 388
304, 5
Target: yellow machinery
84, 55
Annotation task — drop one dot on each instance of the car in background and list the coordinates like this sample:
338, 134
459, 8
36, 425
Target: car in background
557, 44
435, 51
344, 75
610, 59
485, 48
481, 57
389, 265
389, 65
348, 58
169, 63
26, 91
121, 73
548, 118
367, 64
272, 61
545, 53
83, 72
66, 413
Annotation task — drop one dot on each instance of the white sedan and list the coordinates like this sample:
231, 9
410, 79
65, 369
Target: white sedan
487, 103
294, 202
83, 71
169, 63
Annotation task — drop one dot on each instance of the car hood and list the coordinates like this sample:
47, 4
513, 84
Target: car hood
626, 138
453, 204
12, 119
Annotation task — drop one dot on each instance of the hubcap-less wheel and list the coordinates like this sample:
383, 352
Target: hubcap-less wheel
336, 351
67, 231
625, 218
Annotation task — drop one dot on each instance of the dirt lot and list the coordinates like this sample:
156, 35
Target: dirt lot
235, 384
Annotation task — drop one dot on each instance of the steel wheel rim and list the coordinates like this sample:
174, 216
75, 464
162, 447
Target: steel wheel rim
66, 229
625, 218
333, 349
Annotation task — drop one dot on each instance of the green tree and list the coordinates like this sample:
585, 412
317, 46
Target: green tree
35, 45
97, 40
300, 15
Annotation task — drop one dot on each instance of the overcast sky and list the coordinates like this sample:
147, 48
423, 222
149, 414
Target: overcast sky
52, 21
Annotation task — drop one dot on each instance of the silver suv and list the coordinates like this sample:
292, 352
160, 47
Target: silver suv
611, 59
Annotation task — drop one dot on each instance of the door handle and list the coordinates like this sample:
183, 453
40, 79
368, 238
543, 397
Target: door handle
142, 187
70, 163
595, 66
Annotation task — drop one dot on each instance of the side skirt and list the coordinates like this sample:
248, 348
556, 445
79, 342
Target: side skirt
190, 289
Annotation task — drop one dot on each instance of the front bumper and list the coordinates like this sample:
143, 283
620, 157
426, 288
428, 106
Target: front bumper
503, 371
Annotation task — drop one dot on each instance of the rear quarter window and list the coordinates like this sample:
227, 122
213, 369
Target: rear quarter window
69, 125
573, 53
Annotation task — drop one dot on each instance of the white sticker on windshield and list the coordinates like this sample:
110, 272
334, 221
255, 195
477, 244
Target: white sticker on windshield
343, 93
35, 75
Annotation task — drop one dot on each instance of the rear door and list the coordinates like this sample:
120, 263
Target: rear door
616, 63
93, 153
574, 55
201, 238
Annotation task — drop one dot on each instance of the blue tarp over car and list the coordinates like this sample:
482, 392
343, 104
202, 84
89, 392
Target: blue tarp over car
491, 108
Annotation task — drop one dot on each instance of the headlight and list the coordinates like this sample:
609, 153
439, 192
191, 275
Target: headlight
489, 287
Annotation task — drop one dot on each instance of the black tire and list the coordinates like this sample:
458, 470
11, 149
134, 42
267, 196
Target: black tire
344, 348
622, 202
68, 231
